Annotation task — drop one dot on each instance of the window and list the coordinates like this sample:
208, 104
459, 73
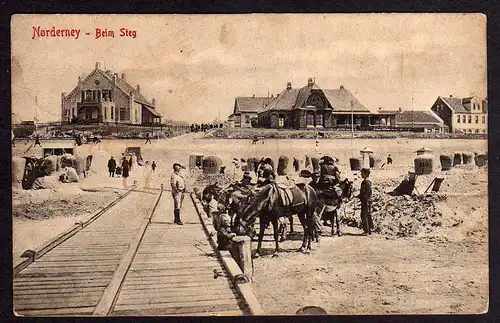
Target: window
464, 119
477, 131
470, 119
281, 121
484, 119
477, 119
458, 118
112, 112
247, 118
310, 119
123, 114
105, 112
319, 120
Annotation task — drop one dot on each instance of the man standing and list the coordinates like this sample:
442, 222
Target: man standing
147, 138
153, 166
389, 160
111, 166
365, 195
37, 141
178, 187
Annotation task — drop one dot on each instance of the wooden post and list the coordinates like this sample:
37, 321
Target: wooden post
242, 253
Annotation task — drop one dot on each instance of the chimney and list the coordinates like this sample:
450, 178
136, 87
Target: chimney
253, 96
138, 88
310, 82
97, 65
341, 87
123, 76
289, 85
400, 109
79, 79
153, 101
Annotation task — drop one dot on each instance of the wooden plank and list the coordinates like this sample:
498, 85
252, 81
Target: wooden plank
163, 272
65, 274
176, 298
40, 269
179, 260
57, 295
169, 284
109, 295
57, 312
126, 294
175, 266
55, 304
58, 290
158, 312
178, 284
183, 307
75, 263
90, 276
58, 285
79, 258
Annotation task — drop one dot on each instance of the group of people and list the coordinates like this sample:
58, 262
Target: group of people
204, 127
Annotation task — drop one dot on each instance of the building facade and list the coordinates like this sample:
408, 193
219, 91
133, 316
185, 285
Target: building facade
245, 110
313, 107
103, 96
463, 115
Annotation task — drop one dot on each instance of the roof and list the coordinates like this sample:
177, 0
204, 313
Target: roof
455, 104
339, 99
127, 88
250, 104
153, 111
417, 117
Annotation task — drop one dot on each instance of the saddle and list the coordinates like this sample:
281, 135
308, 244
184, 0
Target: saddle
290, 195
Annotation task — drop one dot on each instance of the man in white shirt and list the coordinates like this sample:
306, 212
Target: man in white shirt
178, 187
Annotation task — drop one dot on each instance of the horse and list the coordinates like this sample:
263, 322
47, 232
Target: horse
268, 205
330, 204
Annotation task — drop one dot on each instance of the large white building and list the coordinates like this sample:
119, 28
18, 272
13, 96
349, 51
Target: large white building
103, 96
463, 115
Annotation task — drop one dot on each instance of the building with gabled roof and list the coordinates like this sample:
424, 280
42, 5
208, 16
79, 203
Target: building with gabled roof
102, 96
313, 107
246, 109
463, 115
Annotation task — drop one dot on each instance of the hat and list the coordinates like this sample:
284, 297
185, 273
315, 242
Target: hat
179, 165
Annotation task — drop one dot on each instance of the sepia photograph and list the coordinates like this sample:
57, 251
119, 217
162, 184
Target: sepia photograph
249, 164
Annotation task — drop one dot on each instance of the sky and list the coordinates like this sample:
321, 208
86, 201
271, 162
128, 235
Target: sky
195, 65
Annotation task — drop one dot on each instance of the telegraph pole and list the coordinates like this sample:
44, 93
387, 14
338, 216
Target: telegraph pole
352, 118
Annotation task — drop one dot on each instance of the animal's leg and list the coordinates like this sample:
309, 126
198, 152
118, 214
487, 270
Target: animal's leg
262, 228
304, 227
291, 223
275, 229
339, 233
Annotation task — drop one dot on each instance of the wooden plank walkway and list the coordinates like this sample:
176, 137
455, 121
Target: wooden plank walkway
70, 279
111, 267
173, 270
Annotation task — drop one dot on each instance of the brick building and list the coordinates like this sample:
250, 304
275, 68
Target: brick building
103, 96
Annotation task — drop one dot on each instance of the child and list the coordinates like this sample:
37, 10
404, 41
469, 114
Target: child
365, 195
224, 234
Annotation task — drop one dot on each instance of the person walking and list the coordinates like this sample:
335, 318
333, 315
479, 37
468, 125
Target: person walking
153, 166
37, 141
130, 162
125, 171
147, 138
365, 196
178, 187
111, 166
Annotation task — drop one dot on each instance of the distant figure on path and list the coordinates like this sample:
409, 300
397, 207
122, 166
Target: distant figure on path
125, 171
130, 162
147, 138
37, 141
111, 166
389, 160
153, 166
365, 195
178, 187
